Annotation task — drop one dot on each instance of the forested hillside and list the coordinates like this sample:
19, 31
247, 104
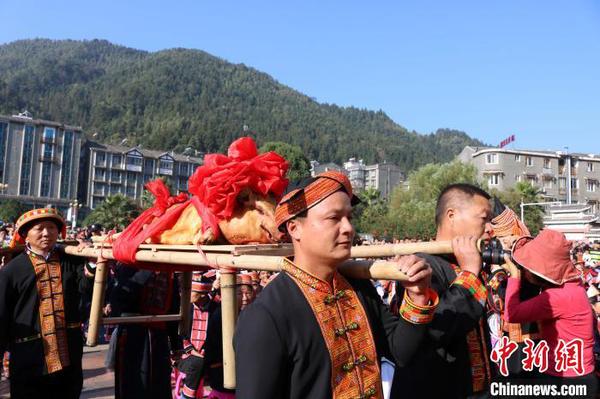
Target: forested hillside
180, 98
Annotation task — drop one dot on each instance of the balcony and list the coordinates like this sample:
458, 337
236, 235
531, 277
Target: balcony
547, 172
48, 158
165, 171
48, 140
133, 168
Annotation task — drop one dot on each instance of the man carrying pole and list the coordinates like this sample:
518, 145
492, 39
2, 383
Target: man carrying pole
452, 361
316, 333
40, 318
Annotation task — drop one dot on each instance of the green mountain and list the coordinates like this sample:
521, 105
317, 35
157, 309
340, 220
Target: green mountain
180, 98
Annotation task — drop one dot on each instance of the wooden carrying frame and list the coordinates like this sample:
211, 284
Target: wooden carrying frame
229, 259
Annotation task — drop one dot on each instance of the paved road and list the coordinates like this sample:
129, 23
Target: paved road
98, 383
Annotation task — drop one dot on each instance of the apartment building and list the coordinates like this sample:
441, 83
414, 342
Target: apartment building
380, 176
571, 178
112, 169
39, 161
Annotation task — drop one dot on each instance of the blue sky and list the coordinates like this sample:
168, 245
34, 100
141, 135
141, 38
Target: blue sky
491, 69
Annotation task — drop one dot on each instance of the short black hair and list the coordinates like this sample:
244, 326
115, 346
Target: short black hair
301, 215
451, 191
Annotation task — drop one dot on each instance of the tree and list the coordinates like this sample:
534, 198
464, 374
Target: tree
117, 211
412, 207
526, 192
370, 216
11, 209
299, 164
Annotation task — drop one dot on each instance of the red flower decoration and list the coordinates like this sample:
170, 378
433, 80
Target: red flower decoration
221, 178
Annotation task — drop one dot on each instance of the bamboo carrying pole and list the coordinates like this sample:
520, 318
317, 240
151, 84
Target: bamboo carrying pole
229, 310
97, 302
357, 269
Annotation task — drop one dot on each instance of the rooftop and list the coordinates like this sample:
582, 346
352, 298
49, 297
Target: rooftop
145, 152
25, 117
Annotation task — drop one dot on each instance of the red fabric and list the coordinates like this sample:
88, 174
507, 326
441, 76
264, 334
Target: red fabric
161, 216
563, 313
221, 178
215, 187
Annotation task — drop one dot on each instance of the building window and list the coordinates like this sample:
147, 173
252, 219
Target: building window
574, 183
27, 158
165, 166
562, 183
49, 135
547, 183
591, 185
183, 169
46, 179
149, 166
3, 139
99, 174
114, 190
517, 157
65, 180
183, 184
590, 166
115, 176
100, 158
494, 179
130, 191
529, 161
546, 163
491, 158
116, 160
134, 161
99, 189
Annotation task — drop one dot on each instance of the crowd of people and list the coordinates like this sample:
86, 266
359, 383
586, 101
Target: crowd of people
452, 328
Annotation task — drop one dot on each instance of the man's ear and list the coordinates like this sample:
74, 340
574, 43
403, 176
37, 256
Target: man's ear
450, 214
294, 228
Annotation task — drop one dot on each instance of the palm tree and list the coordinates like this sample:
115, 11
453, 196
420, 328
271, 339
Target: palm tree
117, 211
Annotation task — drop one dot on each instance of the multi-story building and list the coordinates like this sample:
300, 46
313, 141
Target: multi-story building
383, 177
316, 168
111, 169
380, 176
39, 161
356, 173
560, 176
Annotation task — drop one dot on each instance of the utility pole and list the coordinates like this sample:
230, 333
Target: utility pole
568, 176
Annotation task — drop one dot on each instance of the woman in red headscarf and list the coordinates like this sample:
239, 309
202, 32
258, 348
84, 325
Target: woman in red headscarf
561, 309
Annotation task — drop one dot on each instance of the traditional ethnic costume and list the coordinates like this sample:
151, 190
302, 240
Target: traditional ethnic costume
314, 339
40, 317
561, 309
191, 364
452, 361
143, 366
506, 223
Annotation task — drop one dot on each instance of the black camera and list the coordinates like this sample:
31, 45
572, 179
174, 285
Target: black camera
492, 252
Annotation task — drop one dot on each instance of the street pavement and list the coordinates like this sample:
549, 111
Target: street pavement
98, 383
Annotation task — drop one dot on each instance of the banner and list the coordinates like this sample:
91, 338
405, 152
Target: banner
507, 141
